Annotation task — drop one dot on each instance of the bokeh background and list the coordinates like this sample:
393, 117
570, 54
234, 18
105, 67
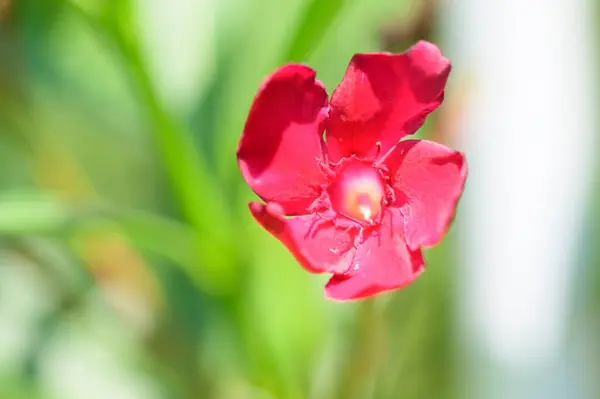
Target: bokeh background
131, 268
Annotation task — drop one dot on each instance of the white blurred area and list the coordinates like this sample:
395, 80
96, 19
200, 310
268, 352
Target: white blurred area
179, 43
82, 355
529, 132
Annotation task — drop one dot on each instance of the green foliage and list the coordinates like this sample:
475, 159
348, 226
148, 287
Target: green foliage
313, 25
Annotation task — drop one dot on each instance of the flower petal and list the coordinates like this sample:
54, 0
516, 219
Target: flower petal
383, 98
428, 179
383, 262
281, 146
319, 245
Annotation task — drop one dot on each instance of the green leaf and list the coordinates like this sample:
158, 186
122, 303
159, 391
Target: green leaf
318, 17
29, 212
162, 236
196, 253
32, 212
196, 190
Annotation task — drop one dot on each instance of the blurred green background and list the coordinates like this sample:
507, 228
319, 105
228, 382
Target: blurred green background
129, 264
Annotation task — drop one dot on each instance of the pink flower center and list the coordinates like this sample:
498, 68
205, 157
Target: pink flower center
357, 192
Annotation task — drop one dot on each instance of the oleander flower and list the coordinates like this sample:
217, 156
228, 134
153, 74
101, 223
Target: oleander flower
341, 190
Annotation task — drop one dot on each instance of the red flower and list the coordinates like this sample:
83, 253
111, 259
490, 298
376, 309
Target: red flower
357, 203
